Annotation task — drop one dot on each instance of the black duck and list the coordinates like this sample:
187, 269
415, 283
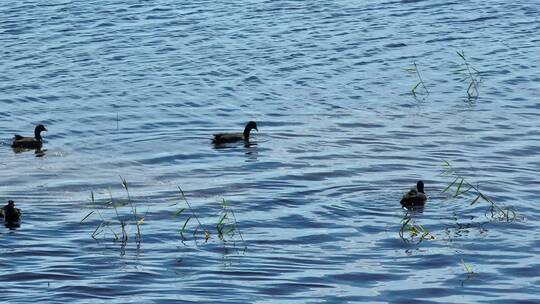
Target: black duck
10, 214
221, 138
415, 197
29, 142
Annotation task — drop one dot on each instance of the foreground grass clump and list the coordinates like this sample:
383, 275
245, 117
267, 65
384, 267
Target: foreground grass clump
226, 227
124, 215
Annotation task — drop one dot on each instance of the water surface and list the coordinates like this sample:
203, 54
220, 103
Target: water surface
137, 89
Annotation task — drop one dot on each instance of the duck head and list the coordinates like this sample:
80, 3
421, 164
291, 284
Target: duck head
250, 125
420, 186
37, 131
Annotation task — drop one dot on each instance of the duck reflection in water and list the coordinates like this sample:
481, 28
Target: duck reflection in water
37, 152
252, 153
11, 215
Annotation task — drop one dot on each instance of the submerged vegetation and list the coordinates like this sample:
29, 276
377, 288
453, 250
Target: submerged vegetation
411, 232
226, 227
200, 227
471, 75
118, 224
460, 186
420, 81
117, 217
468, 268
420, 84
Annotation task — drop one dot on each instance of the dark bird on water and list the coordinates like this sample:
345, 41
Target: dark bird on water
415, 197
221, 138
29, 142
10, 214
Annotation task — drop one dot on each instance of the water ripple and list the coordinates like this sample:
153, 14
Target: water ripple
138, 89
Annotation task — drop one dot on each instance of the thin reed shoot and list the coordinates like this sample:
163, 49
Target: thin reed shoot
420, 83
199, 227
226, 228
114, 218
468, 268
460, 186
471, 75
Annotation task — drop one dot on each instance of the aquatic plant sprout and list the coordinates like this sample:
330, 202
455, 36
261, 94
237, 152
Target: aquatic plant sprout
420, 82
117, 224
469, 74
133, 208
200, 226
411, 232
468, 268
226, 226
472, 76
460, 185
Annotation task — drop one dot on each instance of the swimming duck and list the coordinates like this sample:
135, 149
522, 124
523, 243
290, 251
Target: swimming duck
10, 214
415, 197
221, 138
29, 142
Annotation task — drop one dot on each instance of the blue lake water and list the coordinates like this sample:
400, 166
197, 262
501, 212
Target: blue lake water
137, 88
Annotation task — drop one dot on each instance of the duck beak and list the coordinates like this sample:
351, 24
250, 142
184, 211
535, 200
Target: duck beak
46, 130
256, 129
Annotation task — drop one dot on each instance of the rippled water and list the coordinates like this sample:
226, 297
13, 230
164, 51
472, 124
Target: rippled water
137, 88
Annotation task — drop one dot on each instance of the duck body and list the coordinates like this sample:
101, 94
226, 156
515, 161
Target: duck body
11, 215
26, 142
227, 137
35, 142
415, 197
222, 138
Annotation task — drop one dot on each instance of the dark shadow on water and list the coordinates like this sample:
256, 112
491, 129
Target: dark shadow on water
40, 153
12, 225
250, 148
233, 145
37, 152
252, 152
